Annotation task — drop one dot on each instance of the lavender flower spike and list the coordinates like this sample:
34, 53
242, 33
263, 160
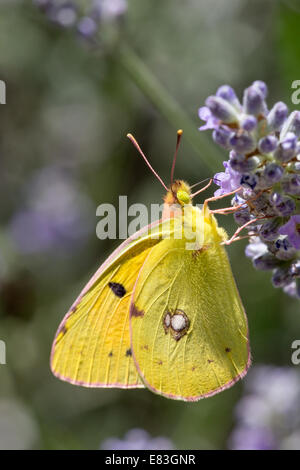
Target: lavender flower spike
264, 161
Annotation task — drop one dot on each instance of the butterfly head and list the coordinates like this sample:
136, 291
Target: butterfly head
179, 193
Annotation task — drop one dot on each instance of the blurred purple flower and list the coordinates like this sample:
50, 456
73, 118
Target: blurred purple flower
268, 413
292, 289
55, 214
87, 18
137, 439
109, 9
252, 439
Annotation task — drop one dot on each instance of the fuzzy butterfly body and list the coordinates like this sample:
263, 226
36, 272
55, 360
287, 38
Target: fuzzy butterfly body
162, 312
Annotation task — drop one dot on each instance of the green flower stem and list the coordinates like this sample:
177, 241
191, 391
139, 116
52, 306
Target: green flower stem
169, 108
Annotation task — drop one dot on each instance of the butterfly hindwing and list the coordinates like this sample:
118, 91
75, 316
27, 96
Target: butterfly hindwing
189, 332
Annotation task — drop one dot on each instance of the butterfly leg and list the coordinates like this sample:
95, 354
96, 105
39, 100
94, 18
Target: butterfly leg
238, 231
228, 210
217, 198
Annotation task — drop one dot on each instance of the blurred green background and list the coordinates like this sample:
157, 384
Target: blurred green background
63, 151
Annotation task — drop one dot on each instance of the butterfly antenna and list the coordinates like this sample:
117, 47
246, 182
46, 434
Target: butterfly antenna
179, 134
202, 189
200, 182
133, 140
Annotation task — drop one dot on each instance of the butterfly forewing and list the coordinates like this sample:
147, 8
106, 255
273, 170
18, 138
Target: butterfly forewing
92, 345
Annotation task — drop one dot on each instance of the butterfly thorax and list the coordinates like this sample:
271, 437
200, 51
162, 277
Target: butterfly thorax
196, 220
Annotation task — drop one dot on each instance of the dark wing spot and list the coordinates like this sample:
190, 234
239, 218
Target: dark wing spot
135, 312
209, 361
128, 352
227, 349
63, 329
118, 289
110, 354
73, 309
61, 333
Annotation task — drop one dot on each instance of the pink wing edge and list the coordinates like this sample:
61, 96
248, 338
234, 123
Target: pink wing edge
99, 271
198, 397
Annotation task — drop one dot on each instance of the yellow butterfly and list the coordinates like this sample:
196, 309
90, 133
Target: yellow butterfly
163, 311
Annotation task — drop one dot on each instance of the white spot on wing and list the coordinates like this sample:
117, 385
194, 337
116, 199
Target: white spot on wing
178, 322
167, 320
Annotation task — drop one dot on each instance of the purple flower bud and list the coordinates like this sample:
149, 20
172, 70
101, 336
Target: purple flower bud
252, 163
292, 124
291, 184
262, 87
227, 93
87, 27
236, 160
253, 100
221, 136
275, 198
265, 262
285, 207
211, 122
221, 109
240, 163
292, 230
287, 148
272, 173
269, 230
281, 277
295, 124
293, 288
277, 116
248, 123
242, 142
66, 15
249, 180
255, 248
267, 144
284, 250
294, 166
295, 269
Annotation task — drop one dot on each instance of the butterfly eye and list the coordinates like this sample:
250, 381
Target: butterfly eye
183, 197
